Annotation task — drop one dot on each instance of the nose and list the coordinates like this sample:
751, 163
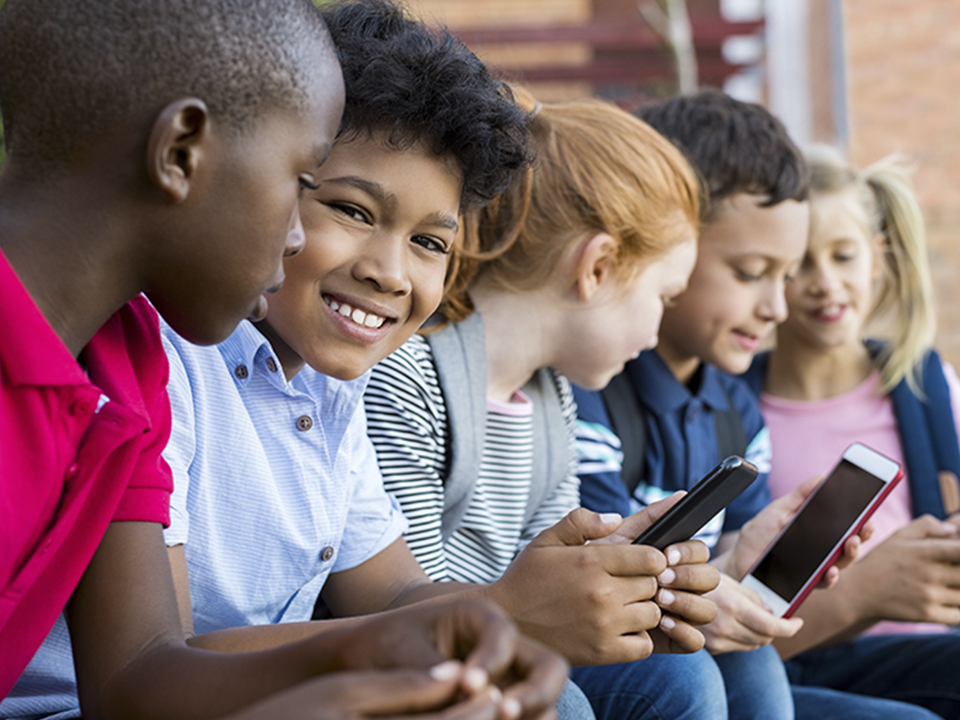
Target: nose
384, 264
296, 237
773, 303
822, 280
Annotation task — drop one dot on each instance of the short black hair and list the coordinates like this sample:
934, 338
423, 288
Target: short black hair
736, 146
421, 85
71, 71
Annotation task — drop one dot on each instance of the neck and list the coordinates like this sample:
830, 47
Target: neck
681, 365
291, 362
75, 263
799, 372
517, 338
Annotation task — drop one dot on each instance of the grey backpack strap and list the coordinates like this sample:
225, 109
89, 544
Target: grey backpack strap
552, 442
460, 356
626, 416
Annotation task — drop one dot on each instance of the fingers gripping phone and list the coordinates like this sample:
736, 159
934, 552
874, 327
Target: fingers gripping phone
836, 510
695, 509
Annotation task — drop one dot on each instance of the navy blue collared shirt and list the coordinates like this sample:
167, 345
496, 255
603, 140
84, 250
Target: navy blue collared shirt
680, 444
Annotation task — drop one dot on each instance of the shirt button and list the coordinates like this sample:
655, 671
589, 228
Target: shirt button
241, 372
72, 471
304, 423
326, 554
271, 364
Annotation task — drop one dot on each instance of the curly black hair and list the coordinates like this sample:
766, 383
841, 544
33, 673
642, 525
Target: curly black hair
421, 85
737, 147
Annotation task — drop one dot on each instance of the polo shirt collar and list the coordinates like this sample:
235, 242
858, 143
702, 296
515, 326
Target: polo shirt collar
247, 351
661, 392
31, 353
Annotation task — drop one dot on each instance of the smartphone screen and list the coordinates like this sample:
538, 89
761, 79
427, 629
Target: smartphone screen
818, 528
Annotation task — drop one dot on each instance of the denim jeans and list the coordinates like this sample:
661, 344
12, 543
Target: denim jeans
661, 687
922, 670
573, 704
735, 686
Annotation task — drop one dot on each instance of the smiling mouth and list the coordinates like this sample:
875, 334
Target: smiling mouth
365, 319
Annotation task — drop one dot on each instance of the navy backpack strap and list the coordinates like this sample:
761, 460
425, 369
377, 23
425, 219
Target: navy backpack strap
627, 420
731, 436
928, 434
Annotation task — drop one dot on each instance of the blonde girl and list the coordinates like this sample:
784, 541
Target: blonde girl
827, 384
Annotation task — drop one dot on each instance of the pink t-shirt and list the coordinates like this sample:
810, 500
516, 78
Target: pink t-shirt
76, 453
808, 437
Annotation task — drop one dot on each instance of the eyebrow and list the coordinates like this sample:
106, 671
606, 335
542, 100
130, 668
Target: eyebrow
378, 193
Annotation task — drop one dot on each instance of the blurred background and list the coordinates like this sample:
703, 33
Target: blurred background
872, 76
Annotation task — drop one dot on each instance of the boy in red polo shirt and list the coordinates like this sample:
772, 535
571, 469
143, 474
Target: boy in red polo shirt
140, 160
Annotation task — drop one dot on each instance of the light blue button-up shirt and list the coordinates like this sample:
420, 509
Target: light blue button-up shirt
276, 485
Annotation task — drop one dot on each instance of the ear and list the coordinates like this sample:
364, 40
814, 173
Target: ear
176, 145
595, 264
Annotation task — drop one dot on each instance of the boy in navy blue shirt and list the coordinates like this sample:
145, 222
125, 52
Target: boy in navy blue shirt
692, 411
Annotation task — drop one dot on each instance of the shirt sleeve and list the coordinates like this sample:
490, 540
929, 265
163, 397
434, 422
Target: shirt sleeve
374, 519
953, 384
759, 451
147, 496
599, 456
406, 422
181, 448
565, 497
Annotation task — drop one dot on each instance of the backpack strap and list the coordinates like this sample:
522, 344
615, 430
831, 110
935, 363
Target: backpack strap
731, 435
459, 354
627, 420
927, 431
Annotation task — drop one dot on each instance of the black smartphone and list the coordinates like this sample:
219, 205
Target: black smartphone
695, 509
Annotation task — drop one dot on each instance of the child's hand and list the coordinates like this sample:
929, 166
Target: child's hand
428, 694
743, 623
754, 537
477, 634
912, 576
594, 602
682, 597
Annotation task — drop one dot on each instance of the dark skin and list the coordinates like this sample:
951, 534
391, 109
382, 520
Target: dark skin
150, 210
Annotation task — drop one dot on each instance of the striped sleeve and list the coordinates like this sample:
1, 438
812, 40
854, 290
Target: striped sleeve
406, 420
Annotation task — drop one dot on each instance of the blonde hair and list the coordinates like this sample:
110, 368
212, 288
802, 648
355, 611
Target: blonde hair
597, 170
883, 197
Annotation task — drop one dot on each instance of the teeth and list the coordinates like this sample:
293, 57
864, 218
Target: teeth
356, 314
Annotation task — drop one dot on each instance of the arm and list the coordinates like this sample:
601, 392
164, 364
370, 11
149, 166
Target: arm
599, 457
129, 670
924, 557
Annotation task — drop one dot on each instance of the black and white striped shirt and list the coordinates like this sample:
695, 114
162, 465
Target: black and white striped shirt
407, 421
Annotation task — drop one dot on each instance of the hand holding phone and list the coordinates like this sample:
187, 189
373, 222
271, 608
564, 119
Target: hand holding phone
836, 510
695, 509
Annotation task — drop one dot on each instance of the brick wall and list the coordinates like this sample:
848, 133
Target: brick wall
903, 76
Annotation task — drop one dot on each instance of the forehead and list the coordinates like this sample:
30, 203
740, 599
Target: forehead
434, 180
743, 227
837, 216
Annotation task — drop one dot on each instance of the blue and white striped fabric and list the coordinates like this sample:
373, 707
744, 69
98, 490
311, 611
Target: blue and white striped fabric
276, 484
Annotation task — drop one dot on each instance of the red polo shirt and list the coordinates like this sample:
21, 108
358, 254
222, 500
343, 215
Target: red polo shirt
76, 453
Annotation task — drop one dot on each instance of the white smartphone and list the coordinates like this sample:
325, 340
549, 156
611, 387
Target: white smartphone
836, 510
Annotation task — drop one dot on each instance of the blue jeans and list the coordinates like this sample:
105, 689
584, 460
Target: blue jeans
921, 670
738, 686
662, 687
756, 685
573, 704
